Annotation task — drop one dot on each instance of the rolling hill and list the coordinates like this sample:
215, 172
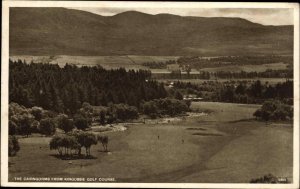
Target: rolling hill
62, 31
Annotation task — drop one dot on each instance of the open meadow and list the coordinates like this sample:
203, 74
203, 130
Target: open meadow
226, 145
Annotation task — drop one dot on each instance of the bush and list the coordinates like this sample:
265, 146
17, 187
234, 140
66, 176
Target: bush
47, 126
13, 146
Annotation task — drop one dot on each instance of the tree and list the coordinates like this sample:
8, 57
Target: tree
37, 112
47, 126
12, 128
265, 115
102, 117
89, 140
150, 108
240, 89
85, 140
178, 95
256, 89
80, 122
35, 125
104, 141
274, 110
64, 123
87, 111
13, 145
56, 144
25, 125
64, 143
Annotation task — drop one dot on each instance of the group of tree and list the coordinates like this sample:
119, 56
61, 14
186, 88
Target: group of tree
285, 73
24, 121
65, 89
71, 144
274, 110
239, 92
158, 65
269, 73
167, 106
256, 92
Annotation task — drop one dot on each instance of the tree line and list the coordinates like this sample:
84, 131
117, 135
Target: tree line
209, 62
239, 92
287, 73
177, 74
158, 65
65, 89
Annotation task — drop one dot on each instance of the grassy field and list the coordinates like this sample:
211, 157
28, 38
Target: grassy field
222, 146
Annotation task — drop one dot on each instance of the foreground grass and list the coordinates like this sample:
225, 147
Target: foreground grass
213, 148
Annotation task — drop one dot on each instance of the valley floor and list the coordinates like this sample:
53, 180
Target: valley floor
224, 146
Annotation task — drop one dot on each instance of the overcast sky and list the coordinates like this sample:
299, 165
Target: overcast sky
266, 16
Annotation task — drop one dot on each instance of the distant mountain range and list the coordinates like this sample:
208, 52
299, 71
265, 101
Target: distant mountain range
62, 31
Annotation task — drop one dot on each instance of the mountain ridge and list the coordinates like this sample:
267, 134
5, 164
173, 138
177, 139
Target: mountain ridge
56, 31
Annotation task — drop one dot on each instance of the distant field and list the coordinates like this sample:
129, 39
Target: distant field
248, 68
135, 62
213, 148
108, 62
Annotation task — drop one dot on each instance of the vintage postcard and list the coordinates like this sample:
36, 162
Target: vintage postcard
150, 94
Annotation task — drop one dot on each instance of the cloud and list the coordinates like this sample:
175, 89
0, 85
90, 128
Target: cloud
266, 16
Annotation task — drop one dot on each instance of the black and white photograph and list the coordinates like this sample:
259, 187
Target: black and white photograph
150, 94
